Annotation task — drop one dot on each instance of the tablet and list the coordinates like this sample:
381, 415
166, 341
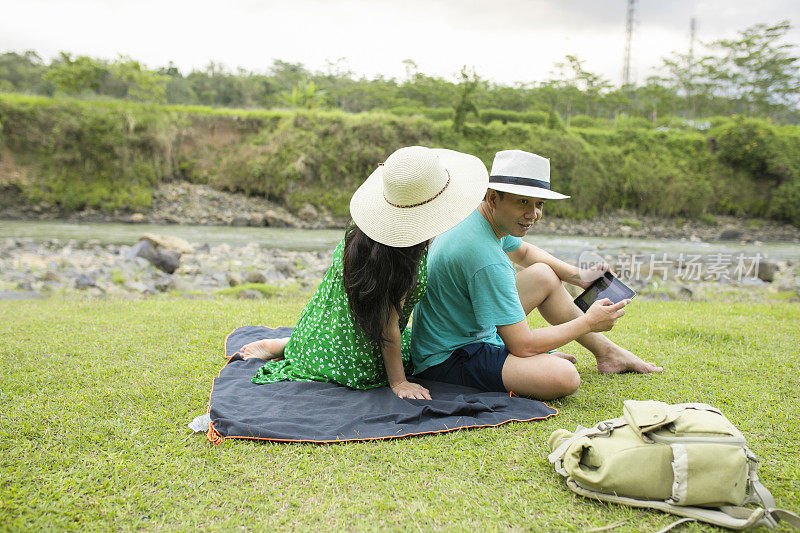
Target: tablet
606, 286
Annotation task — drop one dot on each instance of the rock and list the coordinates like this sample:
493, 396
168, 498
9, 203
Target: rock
256, 221
161, 258
14, 295
240, 222
164, 283
167, 260
233, 279
308, 213
170, 243
24, 286
143, 249
136, 286
137, 218
285, 267
658, 296
83, 282
767, 271
250, 294
730, 234
181, 285
255, 276
273, 219
686, 293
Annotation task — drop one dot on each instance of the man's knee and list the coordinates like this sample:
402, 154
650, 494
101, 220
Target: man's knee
543, 376
542, 274
568, 379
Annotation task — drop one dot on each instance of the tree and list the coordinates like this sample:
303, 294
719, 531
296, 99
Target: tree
73, 76
139, 83
306, 95
21, 72
757, 69
687, 75
577, 87
465, 105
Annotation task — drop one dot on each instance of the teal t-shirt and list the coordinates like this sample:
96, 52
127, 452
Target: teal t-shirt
472, 287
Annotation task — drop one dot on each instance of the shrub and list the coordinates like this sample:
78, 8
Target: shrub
111, 154
505, 116
267, 290
632, 222
708, 219
585, 121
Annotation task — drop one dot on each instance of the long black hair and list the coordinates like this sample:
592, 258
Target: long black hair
377, 278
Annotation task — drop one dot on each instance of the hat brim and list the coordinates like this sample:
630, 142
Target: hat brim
401, 227
525, 190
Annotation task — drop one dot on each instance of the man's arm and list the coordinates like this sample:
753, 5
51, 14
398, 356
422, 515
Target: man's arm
528, 254
525, 342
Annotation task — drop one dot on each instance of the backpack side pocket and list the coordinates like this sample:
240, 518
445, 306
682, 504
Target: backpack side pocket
708, 474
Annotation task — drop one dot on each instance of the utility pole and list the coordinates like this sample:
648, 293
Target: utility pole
626, 69
690, 67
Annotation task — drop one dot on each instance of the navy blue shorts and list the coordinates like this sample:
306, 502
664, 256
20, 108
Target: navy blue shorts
478, 365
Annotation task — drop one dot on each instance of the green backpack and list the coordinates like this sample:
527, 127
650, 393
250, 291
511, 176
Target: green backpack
686, 459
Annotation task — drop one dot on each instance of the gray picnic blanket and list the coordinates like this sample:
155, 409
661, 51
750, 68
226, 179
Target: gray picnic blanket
324, 412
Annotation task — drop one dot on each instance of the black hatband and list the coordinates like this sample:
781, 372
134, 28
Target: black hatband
516, 180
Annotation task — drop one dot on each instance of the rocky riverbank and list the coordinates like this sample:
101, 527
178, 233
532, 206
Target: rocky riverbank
30, 269
186, 203
157, 265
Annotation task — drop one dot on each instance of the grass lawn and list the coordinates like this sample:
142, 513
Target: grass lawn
95, 398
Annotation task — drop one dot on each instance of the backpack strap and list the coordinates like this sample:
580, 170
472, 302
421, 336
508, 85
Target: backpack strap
676, 524
785, 517
730, 517
758, 493
604, 428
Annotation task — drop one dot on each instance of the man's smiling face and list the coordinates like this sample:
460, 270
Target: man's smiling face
515, 214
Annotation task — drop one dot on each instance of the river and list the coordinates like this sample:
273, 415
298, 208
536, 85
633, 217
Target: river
322, 240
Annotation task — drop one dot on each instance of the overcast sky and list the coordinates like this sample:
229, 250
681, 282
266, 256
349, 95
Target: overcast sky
506, 41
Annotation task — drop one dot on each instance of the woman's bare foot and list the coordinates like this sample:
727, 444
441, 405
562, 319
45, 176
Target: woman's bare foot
617, 360
267, 349
568, 356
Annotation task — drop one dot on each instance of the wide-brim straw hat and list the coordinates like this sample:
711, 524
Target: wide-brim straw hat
417, 194
522, 173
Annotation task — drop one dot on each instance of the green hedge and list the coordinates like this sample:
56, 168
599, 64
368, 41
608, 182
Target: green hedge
110, 154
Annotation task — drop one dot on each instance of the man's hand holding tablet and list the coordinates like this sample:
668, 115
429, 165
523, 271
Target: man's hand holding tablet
602, 314
606, 286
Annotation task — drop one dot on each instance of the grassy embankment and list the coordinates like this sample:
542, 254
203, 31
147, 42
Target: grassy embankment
72, 154
94, 398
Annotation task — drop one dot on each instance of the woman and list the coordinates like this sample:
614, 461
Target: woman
352, 332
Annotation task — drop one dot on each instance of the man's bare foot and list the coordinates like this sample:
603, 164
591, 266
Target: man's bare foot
617, 360
267, 349
568, 356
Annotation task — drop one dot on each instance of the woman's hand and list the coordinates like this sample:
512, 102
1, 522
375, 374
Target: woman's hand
406, 389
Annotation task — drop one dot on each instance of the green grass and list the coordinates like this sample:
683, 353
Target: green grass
95, 397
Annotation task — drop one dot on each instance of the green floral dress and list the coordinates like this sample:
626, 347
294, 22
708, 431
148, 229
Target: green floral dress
326, 345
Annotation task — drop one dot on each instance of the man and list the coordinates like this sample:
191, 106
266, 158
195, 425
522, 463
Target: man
470, 326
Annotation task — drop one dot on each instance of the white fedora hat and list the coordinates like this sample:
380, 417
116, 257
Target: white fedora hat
417, 194
522, 173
